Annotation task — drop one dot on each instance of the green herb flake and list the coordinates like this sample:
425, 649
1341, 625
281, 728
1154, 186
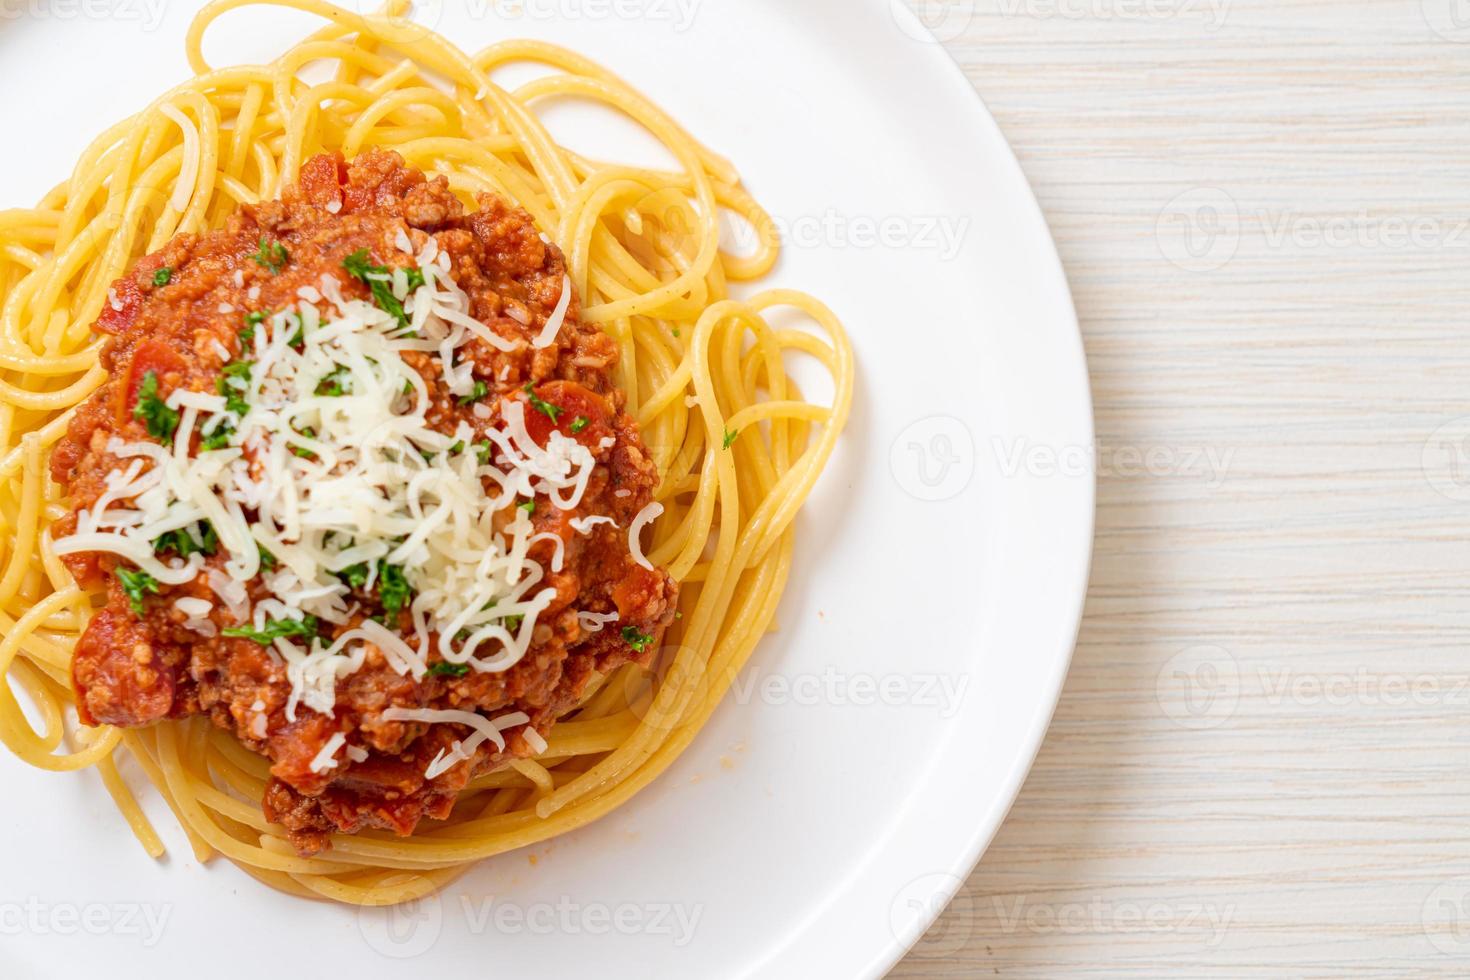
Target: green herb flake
480, 390
267, 560
528, 508
393, 589
160, 420
271, 255
551, 411
360, 266
446, 669
183, 543
638, 641
233, 382
336, 384
275, 629
355, 576
580, 423
218, 439
163, 277
247, 332
136, 584
730, 437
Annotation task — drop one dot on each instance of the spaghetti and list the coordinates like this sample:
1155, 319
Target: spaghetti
737, 446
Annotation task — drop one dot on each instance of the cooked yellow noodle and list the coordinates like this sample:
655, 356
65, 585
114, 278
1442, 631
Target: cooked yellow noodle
643, 249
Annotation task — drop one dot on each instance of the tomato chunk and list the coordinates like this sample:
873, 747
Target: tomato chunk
581, 414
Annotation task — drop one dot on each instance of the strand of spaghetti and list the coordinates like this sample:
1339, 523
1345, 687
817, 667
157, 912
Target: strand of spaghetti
127, 805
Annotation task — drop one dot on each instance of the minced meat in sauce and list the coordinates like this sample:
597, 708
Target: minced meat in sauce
178, 315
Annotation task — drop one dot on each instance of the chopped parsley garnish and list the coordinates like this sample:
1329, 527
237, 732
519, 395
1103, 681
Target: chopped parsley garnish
233, 382
393, 589
152, 412
163, 277
446, 669
580, 423
730, 437
551, 411
336, 384
272, 255
267, 560
378, 278
638, 641
302, 451
183, 544
528, 508
457, 448
137, 583
275, 629
299, 336
513, 623
480, 390
218, 439
482, 450
355, 576
247, 332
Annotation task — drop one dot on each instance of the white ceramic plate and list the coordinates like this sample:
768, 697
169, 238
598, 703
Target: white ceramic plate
875, 743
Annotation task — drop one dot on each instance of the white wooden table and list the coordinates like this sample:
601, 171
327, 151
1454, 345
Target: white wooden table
1260, 765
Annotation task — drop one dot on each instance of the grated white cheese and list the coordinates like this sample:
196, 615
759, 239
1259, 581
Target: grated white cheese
327, 757
371, 484
584, 525
645, 517
534, 740
486, 729
194, 608
548, 333
592, 622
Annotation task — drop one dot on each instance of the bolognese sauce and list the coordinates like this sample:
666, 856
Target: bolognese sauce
361, 490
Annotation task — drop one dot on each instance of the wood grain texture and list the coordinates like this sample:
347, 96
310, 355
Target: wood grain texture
1259, 766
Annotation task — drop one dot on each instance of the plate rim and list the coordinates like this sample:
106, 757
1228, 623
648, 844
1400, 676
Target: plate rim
877, 964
